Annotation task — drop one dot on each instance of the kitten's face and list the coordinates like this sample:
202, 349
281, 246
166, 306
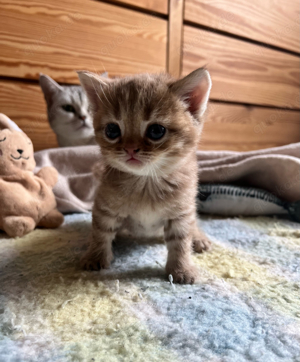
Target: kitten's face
143, 128
142, 125
68, 112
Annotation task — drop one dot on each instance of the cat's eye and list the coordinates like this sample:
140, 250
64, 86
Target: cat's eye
155, 132
68, 108
3, 139
112, 131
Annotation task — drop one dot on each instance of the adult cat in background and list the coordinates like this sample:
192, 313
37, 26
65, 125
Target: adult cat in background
68, 113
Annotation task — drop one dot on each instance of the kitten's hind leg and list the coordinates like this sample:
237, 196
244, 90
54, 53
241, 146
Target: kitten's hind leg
105, 226
200, 241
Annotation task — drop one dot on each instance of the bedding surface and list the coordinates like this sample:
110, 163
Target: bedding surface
246, 306
275, 170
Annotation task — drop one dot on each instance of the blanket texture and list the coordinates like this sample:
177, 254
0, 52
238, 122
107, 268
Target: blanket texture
276, 170
246, 306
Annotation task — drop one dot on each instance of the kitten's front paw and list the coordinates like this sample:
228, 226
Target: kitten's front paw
201, 242
187, 274
94, 261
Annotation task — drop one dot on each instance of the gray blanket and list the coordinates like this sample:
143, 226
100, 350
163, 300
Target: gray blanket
276, 170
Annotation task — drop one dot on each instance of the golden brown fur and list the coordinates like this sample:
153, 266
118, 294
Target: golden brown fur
159, 190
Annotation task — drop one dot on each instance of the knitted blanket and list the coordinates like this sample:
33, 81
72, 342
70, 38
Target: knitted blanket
275, 170
246, 306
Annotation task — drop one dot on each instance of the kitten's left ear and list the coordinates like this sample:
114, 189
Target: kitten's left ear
94, 86
194, 89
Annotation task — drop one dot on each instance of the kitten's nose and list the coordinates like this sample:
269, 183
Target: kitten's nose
20, 151
83, 118
131, 150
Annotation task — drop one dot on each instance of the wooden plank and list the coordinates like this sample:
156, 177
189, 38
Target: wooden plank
228, 127
24, 104
271, 22
175, 37
59, 37
241, 128
157, 6
243, 72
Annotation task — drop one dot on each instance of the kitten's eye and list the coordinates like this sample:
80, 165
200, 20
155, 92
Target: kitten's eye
112, 131
3, 139
68, 108
155, 132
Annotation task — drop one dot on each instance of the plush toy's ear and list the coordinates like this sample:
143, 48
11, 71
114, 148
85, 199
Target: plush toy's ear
94, 86
194, 89
49, 87
7, 123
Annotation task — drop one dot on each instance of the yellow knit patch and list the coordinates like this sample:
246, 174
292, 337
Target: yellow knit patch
77, 312
289, 237
293, 235
251, 278
103, 323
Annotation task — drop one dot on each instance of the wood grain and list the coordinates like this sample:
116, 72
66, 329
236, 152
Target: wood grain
228, 127
175, 37
241, 128
24, 104
158, 6
271, 22
59, 37
243, 72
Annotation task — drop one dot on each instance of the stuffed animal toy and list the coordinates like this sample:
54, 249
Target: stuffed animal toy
26, 199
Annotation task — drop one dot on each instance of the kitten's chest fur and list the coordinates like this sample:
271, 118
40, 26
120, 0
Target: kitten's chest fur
144, 210
144, 222
146, 203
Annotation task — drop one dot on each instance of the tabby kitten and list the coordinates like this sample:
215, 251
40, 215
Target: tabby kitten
148, 127
68, 113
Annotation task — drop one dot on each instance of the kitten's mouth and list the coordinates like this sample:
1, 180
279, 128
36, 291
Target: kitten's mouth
134, 161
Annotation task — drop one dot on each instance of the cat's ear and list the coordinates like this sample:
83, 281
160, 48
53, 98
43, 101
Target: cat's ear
94, 86
194, 89
49, 87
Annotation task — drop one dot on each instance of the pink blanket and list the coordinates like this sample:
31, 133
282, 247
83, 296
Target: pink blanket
276, 170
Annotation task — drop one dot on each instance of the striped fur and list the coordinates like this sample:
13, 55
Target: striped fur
159, 193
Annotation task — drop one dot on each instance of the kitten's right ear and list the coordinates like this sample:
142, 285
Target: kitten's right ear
49, 87
94, 86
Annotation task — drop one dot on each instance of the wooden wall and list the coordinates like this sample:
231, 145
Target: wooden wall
250, 48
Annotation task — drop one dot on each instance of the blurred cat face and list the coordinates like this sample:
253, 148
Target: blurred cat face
68, 112
141, 123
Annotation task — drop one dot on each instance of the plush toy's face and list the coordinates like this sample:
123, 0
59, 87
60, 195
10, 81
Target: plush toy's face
16, 150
